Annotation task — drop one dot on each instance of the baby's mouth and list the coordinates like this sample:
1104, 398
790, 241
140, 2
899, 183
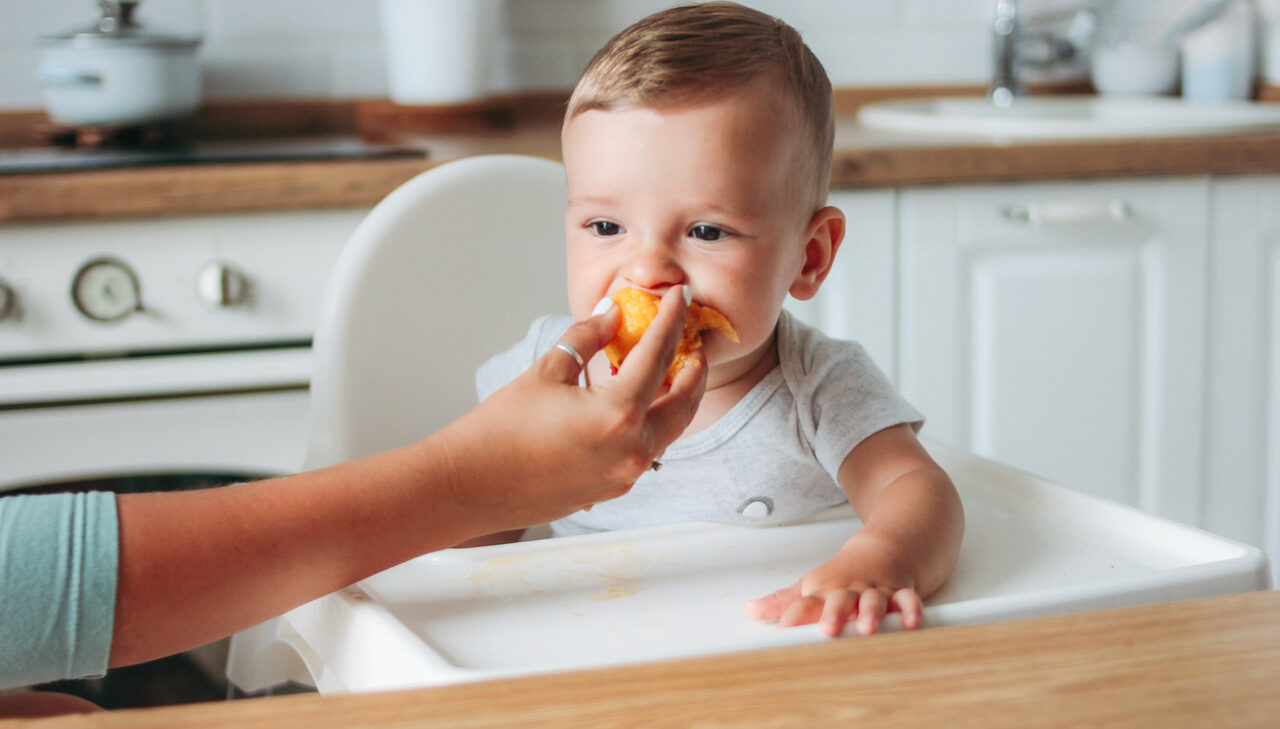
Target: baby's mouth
639, 307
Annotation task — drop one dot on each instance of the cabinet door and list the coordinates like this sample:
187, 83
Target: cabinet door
1242, 472
858, 301
1060, 328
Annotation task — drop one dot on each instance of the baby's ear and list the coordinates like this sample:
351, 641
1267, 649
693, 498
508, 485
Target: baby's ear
822, 239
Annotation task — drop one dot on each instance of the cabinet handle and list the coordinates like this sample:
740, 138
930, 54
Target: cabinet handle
1068, 213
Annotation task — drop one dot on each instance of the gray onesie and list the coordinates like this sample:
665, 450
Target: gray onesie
771, 459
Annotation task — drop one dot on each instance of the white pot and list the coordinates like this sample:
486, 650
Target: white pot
116, 73
1135, 69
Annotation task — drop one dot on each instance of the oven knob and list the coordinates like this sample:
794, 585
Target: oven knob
106, 290
8, 301
218, 284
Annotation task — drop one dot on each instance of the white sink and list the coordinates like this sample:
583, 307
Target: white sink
1069, 117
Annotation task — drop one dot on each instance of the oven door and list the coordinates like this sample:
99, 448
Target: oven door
241, 413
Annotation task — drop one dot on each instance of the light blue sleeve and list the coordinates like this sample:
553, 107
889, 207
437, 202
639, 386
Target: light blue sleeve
58, 562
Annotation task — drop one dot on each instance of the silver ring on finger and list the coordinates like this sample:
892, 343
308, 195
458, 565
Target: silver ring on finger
577, 357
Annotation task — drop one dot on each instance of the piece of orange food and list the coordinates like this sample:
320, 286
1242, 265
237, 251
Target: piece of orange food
638, 310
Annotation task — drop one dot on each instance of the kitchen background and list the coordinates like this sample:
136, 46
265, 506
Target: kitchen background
1150, 444
331, 49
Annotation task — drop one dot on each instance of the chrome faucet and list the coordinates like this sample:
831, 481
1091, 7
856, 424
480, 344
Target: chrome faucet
1005, 83
1015, 48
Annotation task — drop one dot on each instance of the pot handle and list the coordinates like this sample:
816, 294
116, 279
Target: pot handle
59, 77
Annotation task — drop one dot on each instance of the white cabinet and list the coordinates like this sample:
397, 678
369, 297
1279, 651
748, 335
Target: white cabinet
1061, 328
1242, 466
858, 301
1118, 336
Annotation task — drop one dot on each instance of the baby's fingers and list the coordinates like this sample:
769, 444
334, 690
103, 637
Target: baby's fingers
771, 607
907, 602
804, 610
839, 607
874, 604
871, 609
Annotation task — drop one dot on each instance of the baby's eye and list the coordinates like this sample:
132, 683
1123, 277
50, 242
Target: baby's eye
708, 232
604, 228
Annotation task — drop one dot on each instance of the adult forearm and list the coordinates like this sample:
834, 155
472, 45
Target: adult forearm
196, 566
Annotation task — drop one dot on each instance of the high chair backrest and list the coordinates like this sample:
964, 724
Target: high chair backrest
448, 270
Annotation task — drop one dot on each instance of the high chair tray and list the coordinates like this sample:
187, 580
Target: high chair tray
1031, 548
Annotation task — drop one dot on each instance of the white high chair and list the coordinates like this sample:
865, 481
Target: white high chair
451, 268
447, 271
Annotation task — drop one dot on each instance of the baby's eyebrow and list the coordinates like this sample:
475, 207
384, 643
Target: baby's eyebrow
716, 210
578, 200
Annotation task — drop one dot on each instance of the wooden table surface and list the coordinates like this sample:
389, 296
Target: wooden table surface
1212, 662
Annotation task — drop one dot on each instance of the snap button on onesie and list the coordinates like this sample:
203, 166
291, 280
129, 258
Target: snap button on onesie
757, 508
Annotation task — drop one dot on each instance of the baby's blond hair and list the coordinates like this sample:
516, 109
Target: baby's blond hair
690, 53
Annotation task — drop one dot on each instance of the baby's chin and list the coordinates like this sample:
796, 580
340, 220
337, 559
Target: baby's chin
721, 353
724, 355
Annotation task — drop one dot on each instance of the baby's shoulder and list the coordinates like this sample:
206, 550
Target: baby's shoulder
807, 353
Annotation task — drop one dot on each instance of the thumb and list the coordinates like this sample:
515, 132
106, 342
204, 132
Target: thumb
587, 337
771, 606
591, 334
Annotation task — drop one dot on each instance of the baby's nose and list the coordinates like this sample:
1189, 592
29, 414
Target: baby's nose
653, 266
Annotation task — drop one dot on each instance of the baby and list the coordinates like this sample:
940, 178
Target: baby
697, 147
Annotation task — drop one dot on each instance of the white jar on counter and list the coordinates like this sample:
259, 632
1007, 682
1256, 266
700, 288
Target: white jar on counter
1269, 17
439, 51
1219, 61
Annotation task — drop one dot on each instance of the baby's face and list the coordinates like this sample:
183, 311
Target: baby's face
706, 195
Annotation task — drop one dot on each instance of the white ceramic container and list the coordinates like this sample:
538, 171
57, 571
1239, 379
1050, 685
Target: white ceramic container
1135, 69
116, 73
439, 51
1269, 20
1219, 61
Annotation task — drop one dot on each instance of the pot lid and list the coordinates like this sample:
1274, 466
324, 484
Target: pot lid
117, 26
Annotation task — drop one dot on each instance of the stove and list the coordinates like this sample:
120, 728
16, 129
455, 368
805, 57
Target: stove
167, 151
160, 348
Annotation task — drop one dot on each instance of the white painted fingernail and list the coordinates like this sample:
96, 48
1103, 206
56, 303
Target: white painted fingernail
688, 294
602, 306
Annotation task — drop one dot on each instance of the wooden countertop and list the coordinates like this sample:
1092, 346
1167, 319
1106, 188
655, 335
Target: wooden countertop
863, 158
1199, 663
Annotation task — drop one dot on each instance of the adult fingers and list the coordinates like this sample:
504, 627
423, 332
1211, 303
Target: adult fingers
671, 413
646, 365
587, 337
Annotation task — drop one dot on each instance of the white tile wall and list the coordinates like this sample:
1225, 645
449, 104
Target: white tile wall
333, 48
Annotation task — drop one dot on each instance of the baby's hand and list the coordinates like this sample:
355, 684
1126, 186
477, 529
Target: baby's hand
832, 595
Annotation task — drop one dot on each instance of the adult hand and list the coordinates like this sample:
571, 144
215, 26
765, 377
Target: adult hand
198, 565
542, 447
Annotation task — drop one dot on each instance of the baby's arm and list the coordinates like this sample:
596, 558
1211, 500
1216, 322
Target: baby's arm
912, 526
